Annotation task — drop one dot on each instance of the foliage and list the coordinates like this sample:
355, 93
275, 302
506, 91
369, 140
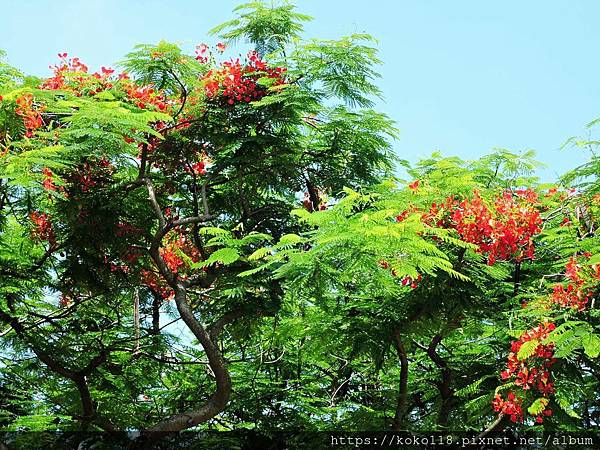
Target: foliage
213, 244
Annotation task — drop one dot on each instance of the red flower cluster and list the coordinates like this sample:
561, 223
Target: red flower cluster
48, 182
236, 82
176, 255
502, 231
308, 204
125, 228
85, 178
61, 80
544, 352
116, 267
532, 372
72, 75
575, 295
156, 284
43, 227
197, 168
173, 254
412, 282
89, 175
200, 51
145, 97
406, 281
571, 297
511, 406
65, 300
30, 112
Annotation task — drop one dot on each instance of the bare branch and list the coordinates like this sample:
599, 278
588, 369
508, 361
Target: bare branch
155, 205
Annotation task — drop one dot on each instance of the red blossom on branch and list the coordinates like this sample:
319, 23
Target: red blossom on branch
30, 112
43, 229
48, 182
235, 82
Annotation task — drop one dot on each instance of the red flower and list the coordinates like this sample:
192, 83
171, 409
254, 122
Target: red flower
30, 112
43, 227
48, 182
236, 82
510, 407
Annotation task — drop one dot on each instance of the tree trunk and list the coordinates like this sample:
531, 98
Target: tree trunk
217, 401
400, 415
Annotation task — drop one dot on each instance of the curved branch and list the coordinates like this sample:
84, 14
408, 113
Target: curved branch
215, 329
219, 399
155, 205
445, 384
89, 413
495, 427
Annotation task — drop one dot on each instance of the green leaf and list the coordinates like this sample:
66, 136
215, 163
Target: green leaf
527, 349
471, 388
538, 406
258, 254
213, 231
288, 241
224, 256
591, 345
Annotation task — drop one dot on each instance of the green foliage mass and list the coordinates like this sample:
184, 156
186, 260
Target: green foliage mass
322, 312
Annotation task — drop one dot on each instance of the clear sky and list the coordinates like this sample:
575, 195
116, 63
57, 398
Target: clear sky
459, 76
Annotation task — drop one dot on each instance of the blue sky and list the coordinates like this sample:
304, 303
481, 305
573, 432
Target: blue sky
458, 76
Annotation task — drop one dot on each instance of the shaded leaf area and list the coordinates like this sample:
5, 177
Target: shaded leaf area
190, 242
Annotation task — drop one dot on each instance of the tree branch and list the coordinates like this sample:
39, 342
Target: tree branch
154, 202
403, 387
219, 399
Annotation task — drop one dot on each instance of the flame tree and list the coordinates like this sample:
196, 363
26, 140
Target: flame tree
215, 240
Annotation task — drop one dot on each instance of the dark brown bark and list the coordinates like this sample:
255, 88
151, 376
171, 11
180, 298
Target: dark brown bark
313, 194
216, 327
217, 402
219, 399
401, 405
517, 279
445, 384
143, 161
